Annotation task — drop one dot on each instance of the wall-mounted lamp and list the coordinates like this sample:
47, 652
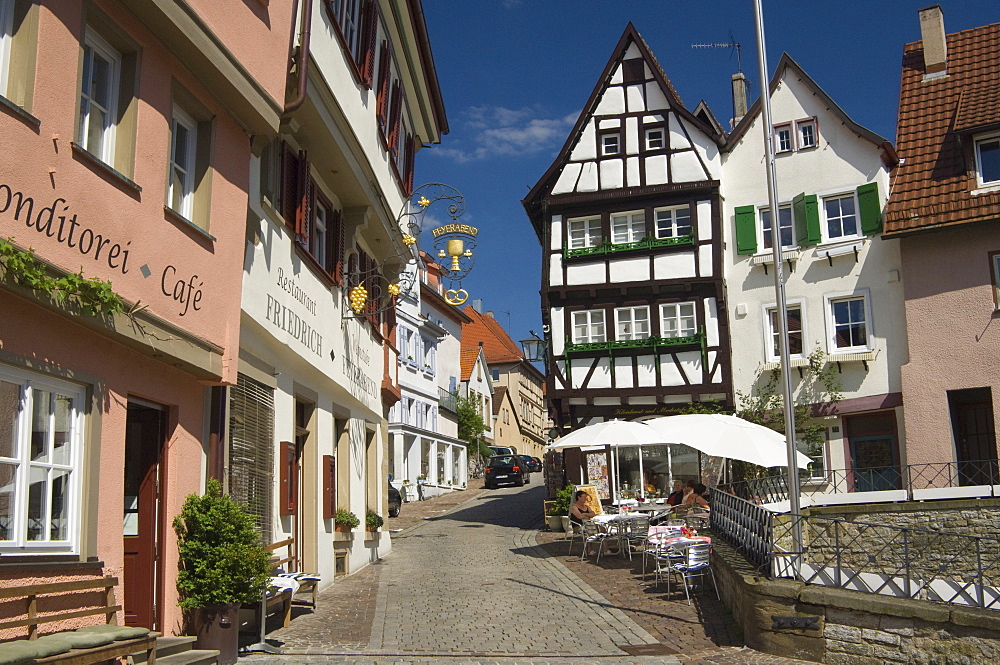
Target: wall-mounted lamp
534, 348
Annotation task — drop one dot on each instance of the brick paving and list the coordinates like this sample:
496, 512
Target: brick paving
472, 579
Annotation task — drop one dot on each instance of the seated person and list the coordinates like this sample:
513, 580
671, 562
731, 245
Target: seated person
677, 495
696, 498
580, 511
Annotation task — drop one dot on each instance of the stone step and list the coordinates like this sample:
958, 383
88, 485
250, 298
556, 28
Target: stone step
168, 646
190, 657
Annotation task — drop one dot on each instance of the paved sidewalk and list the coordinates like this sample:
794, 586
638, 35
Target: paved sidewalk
471, 579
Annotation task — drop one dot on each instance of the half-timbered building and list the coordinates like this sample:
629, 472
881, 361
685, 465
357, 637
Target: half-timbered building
628, 217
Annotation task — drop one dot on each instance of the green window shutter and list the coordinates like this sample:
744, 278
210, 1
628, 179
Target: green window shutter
870, 207
746, 230
805, 210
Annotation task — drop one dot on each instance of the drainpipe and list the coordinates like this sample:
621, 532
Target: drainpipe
303, 62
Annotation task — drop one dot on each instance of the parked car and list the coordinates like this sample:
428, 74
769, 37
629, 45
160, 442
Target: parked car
505, 469
395, 501
534, 464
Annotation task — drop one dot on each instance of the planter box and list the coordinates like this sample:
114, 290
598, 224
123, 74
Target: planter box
343, 536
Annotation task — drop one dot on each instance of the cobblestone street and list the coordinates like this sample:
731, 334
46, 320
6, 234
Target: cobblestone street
472, 579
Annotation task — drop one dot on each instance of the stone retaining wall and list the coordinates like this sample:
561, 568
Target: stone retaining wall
854, 628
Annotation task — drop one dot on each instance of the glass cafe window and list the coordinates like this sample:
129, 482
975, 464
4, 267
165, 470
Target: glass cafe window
40, 432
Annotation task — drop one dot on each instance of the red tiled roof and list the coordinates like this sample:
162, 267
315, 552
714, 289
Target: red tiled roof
932, 187
467, 359
498, 394
497, 344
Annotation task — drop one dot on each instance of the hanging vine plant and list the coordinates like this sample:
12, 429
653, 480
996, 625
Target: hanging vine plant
92, 296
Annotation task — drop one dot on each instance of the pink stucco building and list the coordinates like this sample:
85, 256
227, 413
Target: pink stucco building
127, 131
944, 208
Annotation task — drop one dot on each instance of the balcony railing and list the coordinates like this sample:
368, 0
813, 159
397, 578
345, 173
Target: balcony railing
898, 483
924, 564
614, 248
447, 400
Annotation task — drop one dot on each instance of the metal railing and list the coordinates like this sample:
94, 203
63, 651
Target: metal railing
914, 480
746, 526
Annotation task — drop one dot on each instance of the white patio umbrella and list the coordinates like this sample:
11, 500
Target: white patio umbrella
612, 433
726, 436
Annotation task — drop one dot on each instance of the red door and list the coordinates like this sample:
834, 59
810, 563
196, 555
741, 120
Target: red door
145, 430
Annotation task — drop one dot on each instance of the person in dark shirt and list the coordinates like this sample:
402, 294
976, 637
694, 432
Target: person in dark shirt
677, 495
580, 511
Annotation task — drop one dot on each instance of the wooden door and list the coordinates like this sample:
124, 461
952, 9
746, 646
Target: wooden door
975, 437
145, 431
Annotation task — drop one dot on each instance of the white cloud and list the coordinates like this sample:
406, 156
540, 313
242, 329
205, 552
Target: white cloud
498, 131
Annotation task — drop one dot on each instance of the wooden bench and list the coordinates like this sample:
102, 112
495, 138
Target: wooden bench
291, 561
36, 614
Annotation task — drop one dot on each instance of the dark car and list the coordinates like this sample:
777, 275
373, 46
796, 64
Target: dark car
505, 469
533, 463
395, 501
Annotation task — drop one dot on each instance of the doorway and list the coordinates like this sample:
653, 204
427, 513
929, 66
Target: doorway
975, 436
145, 433
874, 452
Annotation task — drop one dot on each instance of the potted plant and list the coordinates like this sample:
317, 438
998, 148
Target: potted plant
557, 516
373, 520
222, 565
344, 520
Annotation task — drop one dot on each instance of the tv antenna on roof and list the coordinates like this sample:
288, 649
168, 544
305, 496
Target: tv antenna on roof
731, 44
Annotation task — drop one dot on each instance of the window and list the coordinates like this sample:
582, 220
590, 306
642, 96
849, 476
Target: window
496, 374
632, 323
18, 46
610, 143
677, 320
841, 217
585, 232
319, 238
628, 227
673, 222
183, 142
806, 133
794, 325
783, 138
849, 320
99, 98
41, 424
995, 271
588, 326
633, 70
654, 139
988, 160
784, 226
6, 36
357, 23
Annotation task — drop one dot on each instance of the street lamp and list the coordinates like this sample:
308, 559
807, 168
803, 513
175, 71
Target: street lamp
534, 348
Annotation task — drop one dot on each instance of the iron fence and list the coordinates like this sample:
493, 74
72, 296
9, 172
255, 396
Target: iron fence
914, 480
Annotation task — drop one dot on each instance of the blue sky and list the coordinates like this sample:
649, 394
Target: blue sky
515, 75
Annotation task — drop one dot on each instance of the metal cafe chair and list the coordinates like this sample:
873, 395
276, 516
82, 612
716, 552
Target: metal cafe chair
695, 566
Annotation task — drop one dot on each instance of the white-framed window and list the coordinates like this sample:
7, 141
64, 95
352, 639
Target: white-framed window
849, 321
783, 138
673, 222
610, 143
348, 16
6, 34
988, 160
183, 147
677, 319
794, 324
429, 354
818, 456
806, 133
841, 215
99, 97
584, 232
632, 322
628, 227
588, 326
41, 432
655, 138
785, 227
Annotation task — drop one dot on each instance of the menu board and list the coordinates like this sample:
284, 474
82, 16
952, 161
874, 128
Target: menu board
597, 473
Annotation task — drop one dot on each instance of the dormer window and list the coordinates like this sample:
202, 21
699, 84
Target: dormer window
610, 143
988, 161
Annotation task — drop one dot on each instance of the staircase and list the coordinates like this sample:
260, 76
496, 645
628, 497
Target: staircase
179, 651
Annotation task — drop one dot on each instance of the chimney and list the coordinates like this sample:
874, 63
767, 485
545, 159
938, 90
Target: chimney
933, 37
477, 305
739, 97
490, 314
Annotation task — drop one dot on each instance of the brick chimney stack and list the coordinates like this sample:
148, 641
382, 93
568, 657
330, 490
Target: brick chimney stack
739, 97
933, 37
